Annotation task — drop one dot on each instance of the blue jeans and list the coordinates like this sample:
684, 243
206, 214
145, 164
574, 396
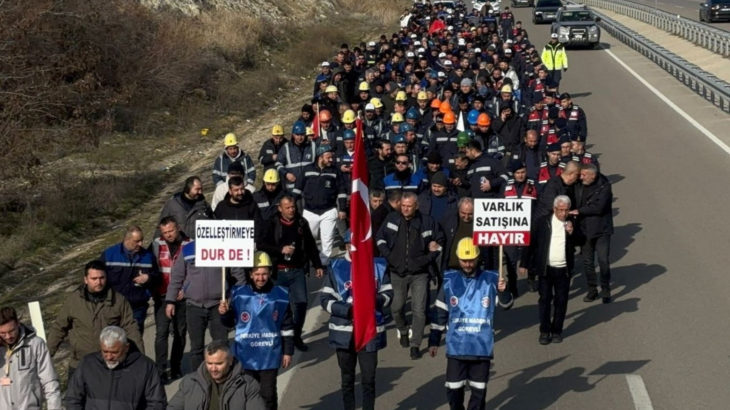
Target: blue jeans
295, 280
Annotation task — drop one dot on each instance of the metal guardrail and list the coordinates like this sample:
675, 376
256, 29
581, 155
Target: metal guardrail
698, 80
711, 38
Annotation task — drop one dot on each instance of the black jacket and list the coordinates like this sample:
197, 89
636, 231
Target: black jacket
593, 202
535, 256
554, 187
133, 384
378, 170
247, 209
305, 247
409, 256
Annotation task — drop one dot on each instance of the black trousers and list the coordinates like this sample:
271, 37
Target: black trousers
347, 359
597, 248
513, 255
199, 319
554, 287
459, 373
177, 326
267, 386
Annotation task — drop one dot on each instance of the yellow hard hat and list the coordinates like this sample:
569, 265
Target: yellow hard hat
271, 176
400, 96
376, 102
261, 259
422, 95
331, 89
309, 131
466, 249
277, 130
364, 86
397, 117
348, 117
230, 140
506, 89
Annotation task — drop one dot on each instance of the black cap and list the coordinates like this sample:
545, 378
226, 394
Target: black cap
555, 146
434, 157
439, 178
514, 165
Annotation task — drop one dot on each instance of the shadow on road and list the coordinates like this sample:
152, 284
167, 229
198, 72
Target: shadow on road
433, 393
622, 237
384, 382
518, 380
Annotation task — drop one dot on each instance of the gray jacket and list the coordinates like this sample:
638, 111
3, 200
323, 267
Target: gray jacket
201, 285
184, 214
240, 391
32, 374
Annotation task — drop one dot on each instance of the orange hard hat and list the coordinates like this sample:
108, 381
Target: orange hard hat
444, 107
325, 115
483, 120
436, 103
449, 118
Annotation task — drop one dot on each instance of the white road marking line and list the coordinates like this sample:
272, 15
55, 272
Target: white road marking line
672, 105
638, 392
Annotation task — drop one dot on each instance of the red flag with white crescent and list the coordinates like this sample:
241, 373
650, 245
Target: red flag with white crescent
361, 248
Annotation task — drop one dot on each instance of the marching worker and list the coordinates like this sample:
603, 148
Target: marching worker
267, 198
28, 375
86, 311
293, 157
260, 313
290, 243
131, 271
233, 153
337, 300
219, 383
270, 148
466, 303
411, 242
552, 245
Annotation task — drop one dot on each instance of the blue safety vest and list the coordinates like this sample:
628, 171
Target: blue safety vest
342, 276
470, 302
259, 317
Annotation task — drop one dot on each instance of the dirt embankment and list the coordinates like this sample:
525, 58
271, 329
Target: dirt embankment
75, 199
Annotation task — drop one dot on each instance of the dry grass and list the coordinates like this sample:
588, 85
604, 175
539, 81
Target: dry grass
382, 12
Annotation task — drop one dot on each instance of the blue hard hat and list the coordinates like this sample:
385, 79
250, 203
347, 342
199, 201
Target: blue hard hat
299, 128
412, 114
398, 138
472, 117
348, 135
405, 128
322, 149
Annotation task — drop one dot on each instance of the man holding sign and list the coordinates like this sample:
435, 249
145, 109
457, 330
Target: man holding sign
466, 304
201, 274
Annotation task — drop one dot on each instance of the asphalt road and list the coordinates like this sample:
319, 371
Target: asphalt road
667, 325
664, 339
686, 8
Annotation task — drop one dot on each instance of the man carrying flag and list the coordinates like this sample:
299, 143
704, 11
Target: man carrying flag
355, 292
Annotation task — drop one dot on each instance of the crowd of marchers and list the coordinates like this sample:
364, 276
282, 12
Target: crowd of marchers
456, 106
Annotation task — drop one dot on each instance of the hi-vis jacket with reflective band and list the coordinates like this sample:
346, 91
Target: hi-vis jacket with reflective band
336, 299
293, 158
465, 309
553, 56
547, 171
122, 267
262, 320
222, 161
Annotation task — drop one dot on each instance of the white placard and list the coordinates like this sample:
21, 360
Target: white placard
36, 318
502, 222
224, 243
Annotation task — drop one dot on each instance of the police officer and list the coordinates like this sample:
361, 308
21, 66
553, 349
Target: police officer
519, 186
466, 302
264, 340
337, 300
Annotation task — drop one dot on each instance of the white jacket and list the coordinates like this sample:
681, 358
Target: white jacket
32, 374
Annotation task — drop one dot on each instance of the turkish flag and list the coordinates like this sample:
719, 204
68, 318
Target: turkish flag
361, 248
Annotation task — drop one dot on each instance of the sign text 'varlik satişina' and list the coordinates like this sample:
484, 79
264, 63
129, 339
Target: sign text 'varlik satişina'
502, 222
224, 243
